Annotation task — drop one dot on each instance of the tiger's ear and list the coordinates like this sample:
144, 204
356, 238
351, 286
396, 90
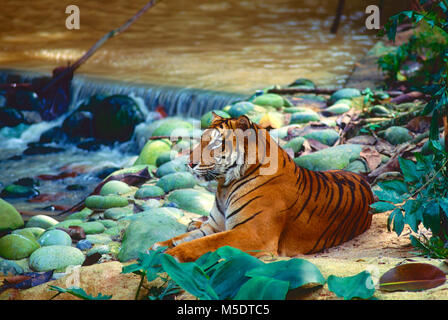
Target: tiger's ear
216, 117
243, 122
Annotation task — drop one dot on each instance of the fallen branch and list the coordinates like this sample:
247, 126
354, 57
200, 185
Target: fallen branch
409, 97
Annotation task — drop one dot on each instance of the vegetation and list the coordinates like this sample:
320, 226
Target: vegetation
421, 64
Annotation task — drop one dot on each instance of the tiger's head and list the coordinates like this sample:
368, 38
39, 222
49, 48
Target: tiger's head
224, 150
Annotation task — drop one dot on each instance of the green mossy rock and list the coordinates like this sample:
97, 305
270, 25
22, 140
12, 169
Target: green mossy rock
41, 221
167, 126
10, 218
17, 191
108, 223
346, 93
152, 150
206, 119
105, 202
295, 109
115, 187
148, 229
295, 144
67, 223
92, 227
80, 215
270, 99
304, 117
338, 108
163, 158
117, 213
17, 246
192, 200
149, 192
178, 180
55, 237
35, 231
240, 108
337, 157
55, 258
325, 136
396, 135
8, 268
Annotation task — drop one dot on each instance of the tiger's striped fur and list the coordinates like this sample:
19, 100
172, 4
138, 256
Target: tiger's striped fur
293, 211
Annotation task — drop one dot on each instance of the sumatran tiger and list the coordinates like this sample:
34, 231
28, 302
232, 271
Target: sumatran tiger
265, 202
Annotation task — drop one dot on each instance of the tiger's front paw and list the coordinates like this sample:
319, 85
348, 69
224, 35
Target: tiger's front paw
168, 243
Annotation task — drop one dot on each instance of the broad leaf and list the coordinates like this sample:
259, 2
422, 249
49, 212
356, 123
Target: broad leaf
358, 286
398, 222
80, 293
412, 277
400, 187
382, 206
263, 288
189, 276
389, 195
431, 216
298, 272
413, 213
409, 170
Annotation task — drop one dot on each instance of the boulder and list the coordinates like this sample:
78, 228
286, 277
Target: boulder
178, 180
193, 200
16, 246
10, 218
55, 258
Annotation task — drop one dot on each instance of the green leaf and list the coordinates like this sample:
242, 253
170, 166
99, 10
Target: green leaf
80, 293
443, 202
382, 206
391, 217
434, 131
409, 170
357, 286
413, 214
230, 275
298, 272
263, 288
189, 276
388, 195
398, 222
400, 187
431, 216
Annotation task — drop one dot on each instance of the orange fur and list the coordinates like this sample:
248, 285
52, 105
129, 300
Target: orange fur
293, 211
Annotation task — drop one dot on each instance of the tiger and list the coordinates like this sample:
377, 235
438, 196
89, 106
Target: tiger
289, 212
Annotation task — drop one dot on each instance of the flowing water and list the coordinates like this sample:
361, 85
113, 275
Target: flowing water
188, 56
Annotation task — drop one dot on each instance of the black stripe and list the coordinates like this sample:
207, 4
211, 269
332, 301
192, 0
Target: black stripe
229, 198
305, 203
242, 207
259, 186
202, 232
250, 218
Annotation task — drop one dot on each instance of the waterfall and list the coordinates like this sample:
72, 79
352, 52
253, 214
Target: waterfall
177, 101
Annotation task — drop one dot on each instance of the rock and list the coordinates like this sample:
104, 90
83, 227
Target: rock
147, 230
163, 158
8, 267
27, 182
357, 166
10, 218
55, 258
107, 223
10, 117
426, 148
55, 237
240, 108
25, 232
16, 191
117, 213
295, 144
149, 192
269, 99
337, 157
129, 170
80, 215
379, 110
396, 135
101, 249
105, 202
101, 238
176, 165
115, 187
68, 223
337, 108
192, 200
79, 124
304, 117
84, 245
39, 148
41, 221
178, 180
90, 144
114, 231
54, 134
169, 126
92, 227
151, 204
302, 83
295, 109
26, 100
115, 118
16, 246
325, 136
152, 150
206, 119
273, 120
346, 93
35, 231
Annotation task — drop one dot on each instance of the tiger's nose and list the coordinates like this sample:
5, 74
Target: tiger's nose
191, 165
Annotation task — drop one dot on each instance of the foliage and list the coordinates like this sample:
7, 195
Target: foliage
357, 286
422, 197
78, 292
